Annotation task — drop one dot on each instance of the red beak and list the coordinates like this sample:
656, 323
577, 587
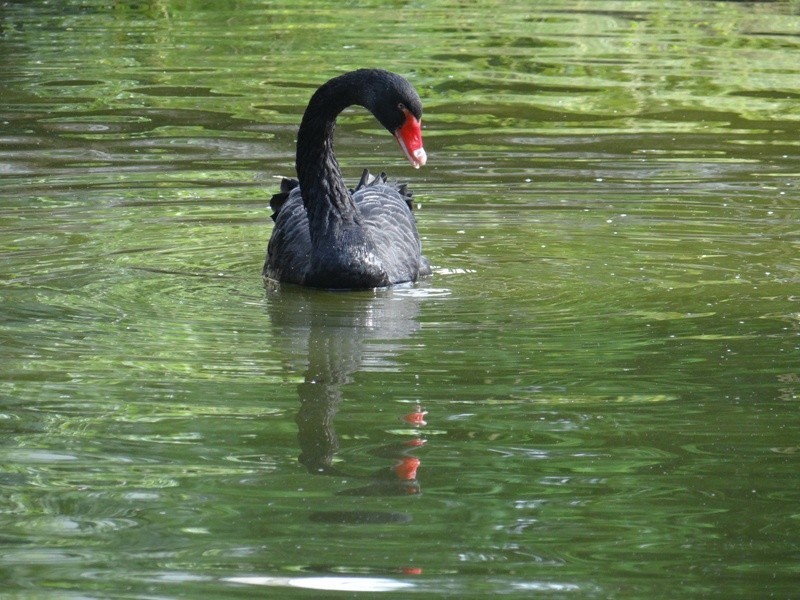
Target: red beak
409, 136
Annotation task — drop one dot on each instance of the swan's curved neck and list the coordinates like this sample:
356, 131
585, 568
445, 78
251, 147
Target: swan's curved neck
325, 194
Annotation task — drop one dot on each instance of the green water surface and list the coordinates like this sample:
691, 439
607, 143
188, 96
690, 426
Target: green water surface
594, 396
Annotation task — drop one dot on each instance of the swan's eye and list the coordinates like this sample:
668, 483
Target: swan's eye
402, 107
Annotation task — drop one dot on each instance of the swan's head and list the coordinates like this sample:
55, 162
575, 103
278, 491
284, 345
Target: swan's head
396, 104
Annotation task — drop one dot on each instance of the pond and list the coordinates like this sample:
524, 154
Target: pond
595, 395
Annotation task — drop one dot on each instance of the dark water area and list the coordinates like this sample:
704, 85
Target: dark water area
594, 396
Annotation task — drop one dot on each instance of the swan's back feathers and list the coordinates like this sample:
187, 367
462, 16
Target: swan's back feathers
367, 179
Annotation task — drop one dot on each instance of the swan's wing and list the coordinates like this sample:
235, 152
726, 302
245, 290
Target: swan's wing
386, 212
289, 250
368, 180
279, 199
385, 209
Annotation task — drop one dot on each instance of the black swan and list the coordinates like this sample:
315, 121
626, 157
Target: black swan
327, 236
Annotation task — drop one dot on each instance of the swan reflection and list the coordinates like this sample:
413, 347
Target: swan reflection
329, 337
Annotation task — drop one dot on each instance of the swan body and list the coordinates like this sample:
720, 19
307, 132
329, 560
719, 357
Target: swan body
328, 236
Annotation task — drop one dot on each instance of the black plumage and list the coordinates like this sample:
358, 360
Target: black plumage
328, 236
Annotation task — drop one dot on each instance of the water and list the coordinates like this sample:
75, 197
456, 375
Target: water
595, 395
